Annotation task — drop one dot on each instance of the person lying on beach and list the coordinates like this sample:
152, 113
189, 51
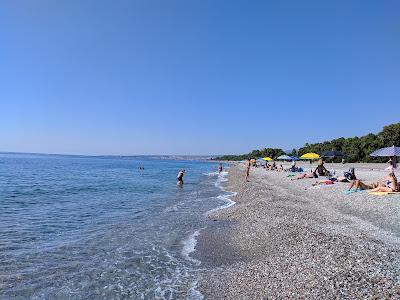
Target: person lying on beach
391, 185
321, 170
321, 182
305, 175
359, 185
339, 179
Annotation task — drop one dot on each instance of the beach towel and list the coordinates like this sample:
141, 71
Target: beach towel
383, 193
351, 192
328, 182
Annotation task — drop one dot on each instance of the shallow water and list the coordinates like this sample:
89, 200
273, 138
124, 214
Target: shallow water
95, 227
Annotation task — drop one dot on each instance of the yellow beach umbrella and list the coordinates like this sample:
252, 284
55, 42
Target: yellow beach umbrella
267, 158
310, 156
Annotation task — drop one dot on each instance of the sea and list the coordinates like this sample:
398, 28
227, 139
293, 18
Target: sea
80, 227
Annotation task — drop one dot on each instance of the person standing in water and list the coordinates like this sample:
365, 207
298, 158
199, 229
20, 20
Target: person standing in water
180, 177
219, 168
248, 166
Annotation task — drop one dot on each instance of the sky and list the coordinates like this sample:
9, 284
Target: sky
194, 76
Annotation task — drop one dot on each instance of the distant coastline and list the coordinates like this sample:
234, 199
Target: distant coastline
171, 157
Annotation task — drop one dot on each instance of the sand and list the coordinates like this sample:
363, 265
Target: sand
285, 239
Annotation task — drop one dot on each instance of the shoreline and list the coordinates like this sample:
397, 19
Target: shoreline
281, 240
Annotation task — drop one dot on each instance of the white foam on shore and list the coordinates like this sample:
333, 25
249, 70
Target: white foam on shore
189, 246
226, 196
194, 293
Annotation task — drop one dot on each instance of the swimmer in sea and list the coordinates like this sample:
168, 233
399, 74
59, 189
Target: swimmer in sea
180, 177
220, 168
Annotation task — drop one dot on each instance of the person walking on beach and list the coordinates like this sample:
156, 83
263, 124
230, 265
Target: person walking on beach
219, 168
180, 177
248, 166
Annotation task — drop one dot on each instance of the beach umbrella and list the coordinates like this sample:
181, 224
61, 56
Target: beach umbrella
332, 154
392, 152
260, 160
310, 156
267, 158
284, 157
388, 151
294, 158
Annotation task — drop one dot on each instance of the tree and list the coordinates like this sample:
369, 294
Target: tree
390, 135
356, 149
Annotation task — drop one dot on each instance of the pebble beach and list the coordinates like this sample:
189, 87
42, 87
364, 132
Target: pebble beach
288, 239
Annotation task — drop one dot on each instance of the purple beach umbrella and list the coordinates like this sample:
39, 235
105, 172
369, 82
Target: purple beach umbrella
392, 152
388, 151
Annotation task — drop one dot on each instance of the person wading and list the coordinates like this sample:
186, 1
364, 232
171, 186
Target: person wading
180, 177
220, 168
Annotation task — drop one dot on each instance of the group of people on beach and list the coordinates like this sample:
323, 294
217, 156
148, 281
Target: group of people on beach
388, 184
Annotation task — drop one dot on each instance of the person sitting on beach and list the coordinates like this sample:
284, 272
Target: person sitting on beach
392, 185
321, 170
280, 168
305, 175
180, 177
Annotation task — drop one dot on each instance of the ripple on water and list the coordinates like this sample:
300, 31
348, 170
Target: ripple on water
99, 228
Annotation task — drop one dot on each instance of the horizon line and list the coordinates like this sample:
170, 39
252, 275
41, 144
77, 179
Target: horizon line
107, 155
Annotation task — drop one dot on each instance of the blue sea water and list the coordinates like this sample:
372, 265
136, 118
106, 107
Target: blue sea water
100, 227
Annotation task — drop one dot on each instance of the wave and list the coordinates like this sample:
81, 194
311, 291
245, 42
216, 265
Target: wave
216, 173
189, 246
224, 197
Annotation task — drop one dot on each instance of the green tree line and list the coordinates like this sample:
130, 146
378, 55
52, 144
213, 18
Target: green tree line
356, 149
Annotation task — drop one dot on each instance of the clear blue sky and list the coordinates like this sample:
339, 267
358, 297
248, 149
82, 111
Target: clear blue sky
194, 76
